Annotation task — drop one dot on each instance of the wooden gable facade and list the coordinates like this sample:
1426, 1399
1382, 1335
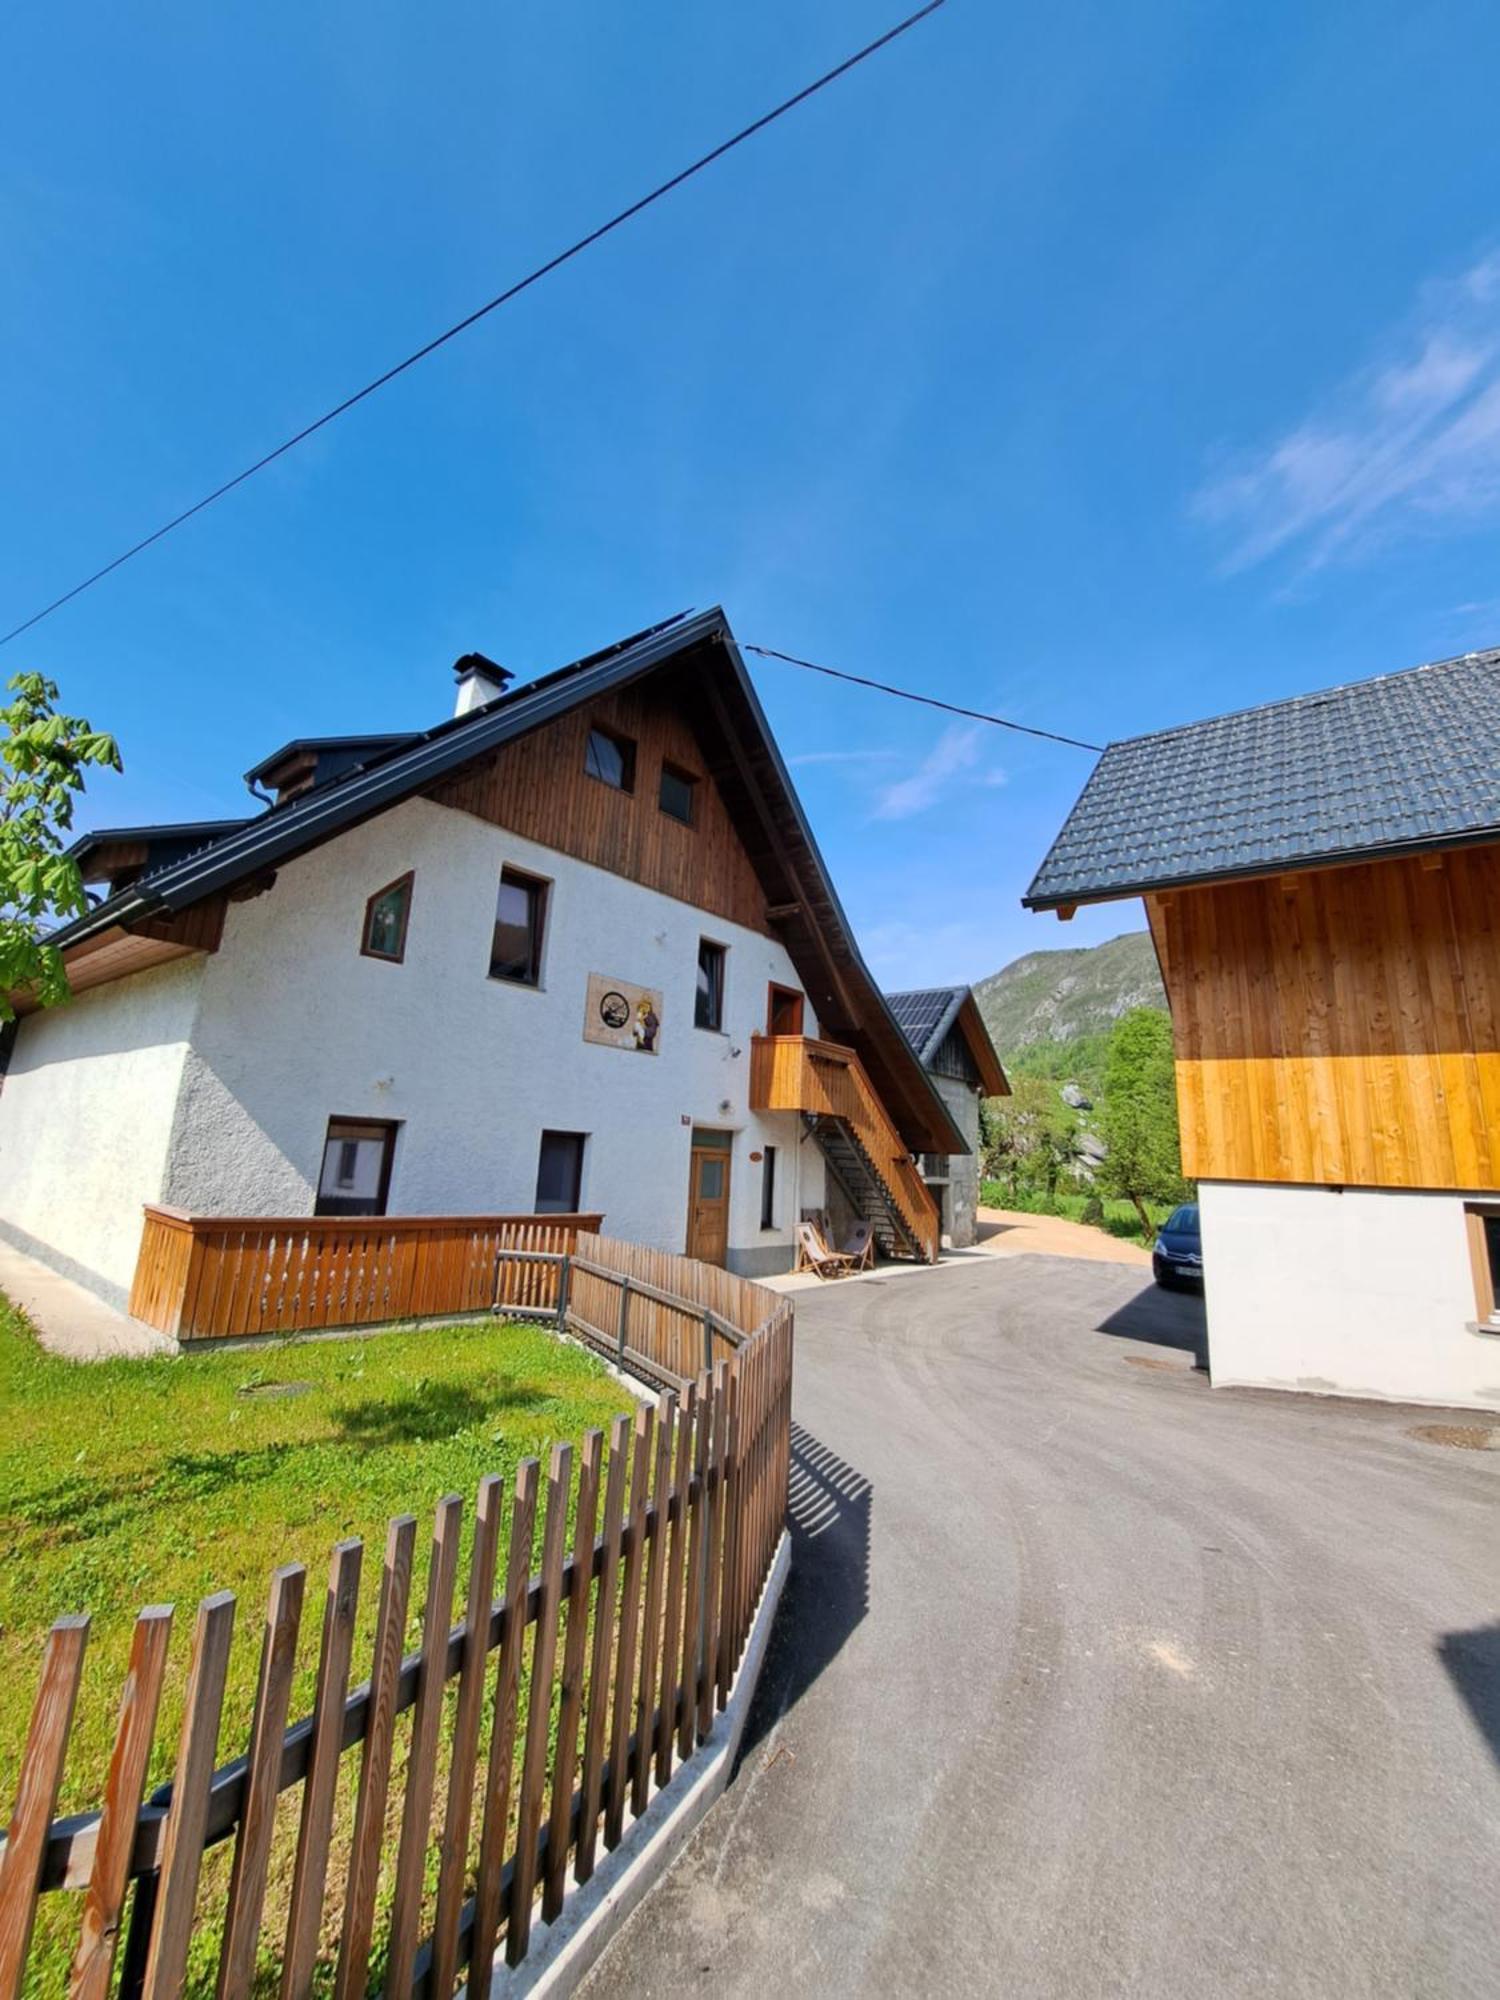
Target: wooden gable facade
1339, 1026
539, 787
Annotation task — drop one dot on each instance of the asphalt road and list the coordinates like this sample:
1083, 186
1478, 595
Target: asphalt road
1092, 1680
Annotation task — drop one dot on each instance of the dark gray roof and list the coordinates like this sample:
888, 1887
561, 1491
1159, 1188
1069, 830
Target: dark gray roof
926, 1016
357, 749
412, 762
1406, 761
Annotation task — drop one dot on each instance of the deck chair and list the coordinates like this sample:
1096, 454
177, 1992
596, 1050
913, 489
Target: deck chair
859, 1246
813, 1254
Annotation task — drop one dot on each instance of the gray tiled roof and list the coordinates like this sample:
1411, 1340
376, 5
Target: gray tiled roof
1407, 760
925, 1017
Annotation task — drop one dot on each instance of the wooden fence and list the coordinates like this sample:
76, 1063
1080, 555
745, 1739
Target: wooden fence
204, 1277
636, 1624
661, 1316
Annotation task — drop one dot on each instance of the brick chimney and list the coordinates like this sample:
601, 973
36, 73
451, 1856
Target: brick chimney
479, 680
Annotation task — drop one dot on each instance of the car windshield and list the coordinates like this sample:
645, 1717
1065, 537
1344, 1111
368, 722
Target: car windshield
1183, 1221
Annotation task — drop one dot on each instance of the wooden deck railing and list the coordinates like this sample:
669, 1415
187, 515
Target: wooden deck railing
205, 1277
465, 1824
798, 1073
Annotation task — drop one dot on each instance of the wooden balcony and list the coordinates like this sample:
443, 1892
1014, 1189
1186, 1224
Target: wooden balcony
827, 1080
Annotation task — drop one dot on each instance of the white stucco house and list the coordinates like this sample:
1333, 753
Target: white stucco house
536, 959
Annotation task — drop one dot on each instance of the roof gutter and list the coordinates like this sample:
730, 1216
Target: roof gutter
1347, 857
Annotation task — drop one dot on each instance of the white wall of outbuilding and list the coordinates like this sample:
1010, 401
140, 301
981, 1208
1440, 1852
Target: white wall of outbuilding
1353, 1292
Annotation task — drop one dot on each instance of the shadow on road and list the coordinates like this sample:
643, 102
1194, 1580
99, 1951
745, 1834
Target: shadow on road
1473, 1663
1165, 1319
828, 1590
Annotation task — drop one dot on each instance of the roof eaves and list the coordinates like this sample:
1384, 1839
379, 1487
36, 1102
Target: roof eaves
378, 743
825, 886
1119, 892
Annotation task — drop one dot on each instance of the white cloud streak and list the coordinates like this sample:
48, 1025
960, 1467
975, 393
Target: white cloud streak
841, 757
1410, 441
955, 751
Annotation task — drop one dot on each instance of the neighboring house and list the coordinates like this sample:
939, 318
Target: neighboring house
944, 1026
1322, 880
528, 960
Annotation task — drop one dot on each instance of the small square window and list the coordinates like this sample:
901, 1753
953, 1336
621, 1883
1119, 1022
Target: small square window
676, 794
386, 915
708, 1008
611, 759
520, 917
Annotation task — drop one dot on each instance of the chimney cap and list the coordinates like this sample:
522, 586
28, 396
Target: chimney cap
485, 668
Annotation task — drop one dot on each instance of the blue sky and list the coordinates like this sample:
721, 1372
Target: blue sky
1105, 366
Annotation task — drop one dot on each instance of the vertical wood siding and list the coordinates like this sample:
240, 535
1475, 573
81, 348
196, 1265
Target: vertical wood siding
537, 787
1339, 1026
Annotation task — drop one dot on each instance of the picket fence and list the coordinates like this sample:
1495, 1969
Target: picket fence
575, 1694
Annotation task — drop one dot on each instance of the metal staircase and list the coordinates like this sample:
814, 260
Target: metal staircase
863, 1187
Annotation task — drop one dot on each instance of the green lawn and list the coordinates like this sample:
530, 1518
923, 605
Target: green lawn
124, 1483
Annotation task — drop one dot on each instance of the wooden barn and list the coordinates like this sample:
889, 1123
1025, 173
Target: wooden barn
1322, 881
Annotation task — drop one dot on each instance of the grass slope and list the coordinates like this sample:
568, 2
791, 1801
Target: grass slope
124, 1483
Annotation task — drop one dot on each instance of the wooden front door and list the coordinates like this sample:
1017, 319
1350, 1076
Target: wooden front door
708, 1197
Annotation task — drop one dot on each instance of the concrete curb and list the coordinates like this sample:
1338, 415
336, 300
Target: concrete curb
563, 1952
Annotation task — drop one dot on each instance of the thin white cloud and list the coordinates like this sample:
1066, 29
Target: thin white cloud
1412, 439
955, 751
841, 757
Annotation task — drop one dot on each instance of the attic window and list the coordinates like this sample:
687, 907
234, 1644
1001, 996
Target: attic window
676, 795
386, 916
611, 759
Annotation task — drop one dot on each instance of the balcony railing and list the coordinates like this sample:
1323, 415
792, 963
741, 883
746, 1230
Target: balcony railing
205, 1277
826, 1080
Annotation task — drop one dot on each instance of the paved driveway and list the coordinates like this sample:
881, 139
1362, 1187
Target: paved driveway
1090, 1680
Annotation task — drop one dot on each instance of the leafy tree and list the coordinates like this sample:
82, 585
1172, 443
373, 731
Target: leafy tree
43, 758
1143, 1160
1079, 1060
1029, 1139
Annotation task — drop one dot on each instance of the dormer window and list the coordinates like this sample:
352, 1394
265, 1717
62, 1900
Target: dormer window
611, 759
386, 916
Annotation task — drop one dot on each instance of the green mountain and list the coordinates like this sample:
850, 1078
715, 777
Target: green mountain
1051, 997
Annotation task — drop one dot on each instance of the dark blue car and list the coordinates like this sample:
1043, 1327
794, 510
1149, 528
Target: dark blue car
1178, 1256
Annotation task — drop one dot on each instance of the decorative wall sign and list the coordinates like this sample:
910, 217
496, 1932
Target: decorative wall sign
622, 1016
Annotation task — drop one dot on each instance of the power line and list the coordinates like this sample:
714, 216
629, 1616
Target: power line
927, 700
480, 312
